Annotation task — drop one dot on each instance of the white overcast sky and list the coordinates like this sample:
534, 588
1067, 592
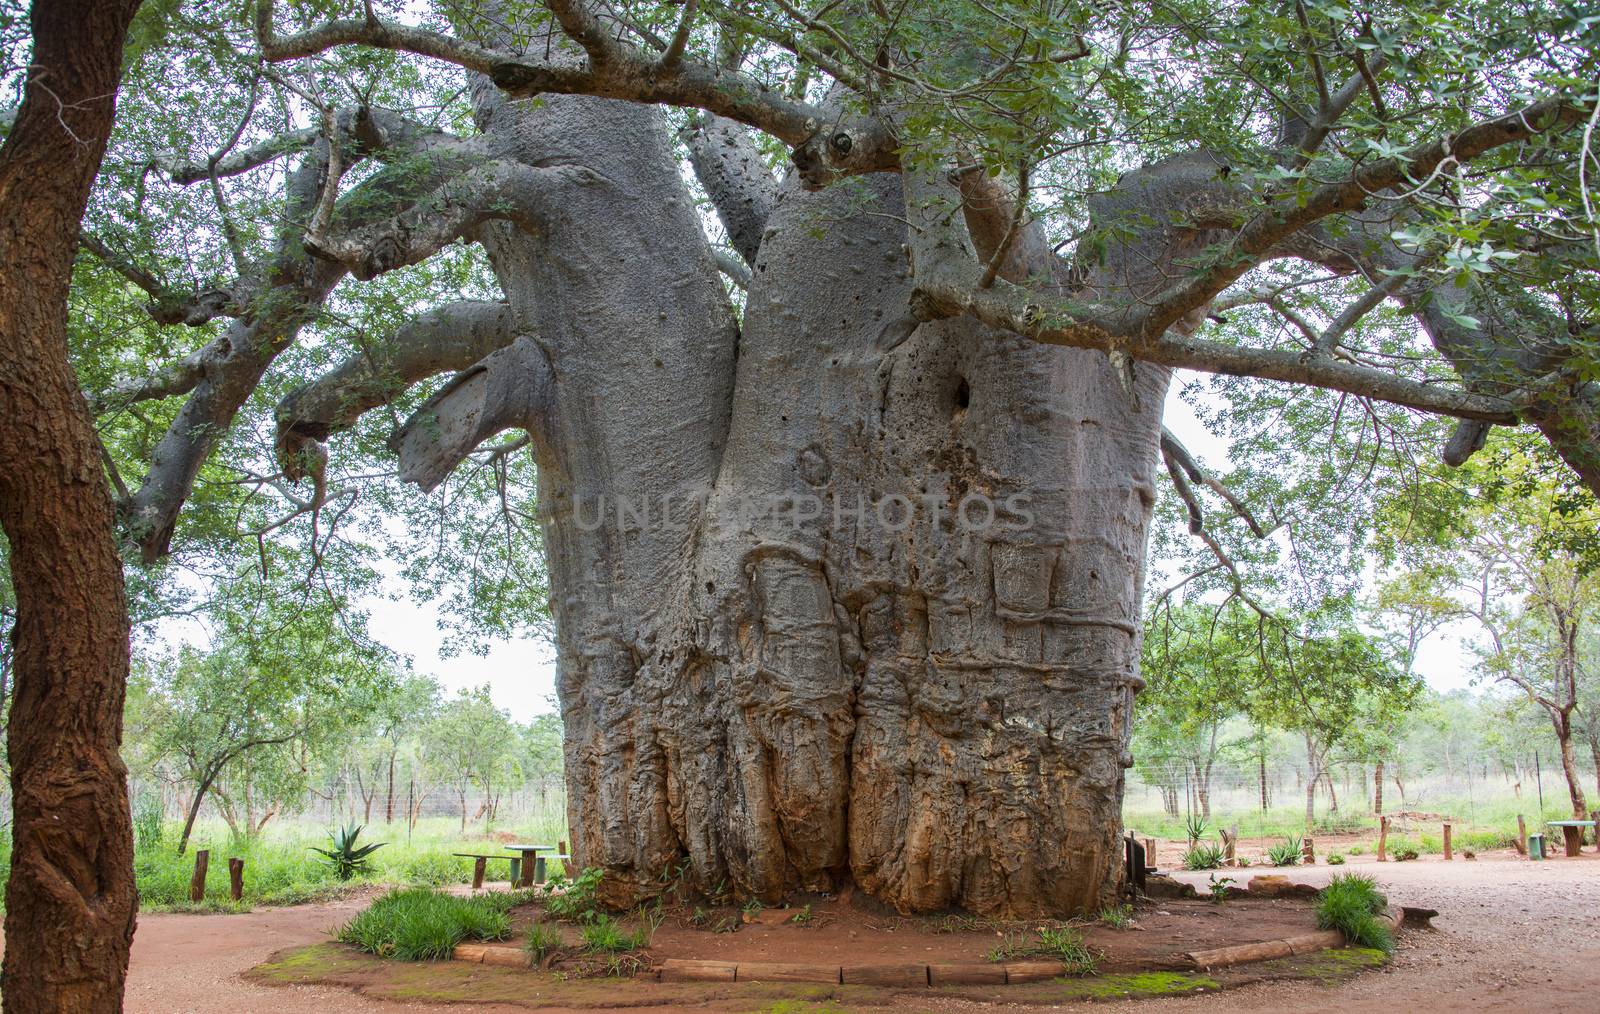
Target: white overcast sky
521, 673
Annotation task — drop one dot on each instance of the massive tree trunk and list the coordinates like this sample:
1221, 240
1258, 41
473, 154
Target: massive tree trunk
839, 597
70, 900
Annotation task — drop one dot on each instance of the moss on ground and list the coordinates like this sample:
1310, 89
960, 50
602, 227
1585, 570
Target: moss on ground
1331, 966
1141, 985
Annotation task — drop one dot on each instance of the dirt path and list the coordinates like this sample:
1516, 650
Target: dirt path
1512, 936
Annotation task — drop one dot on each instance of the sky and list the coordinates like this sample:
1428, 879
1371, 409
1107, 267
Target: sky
520, 674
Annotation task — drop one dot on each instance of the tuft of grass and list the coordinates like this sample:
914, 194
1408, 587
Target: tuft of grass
1335, 859
421, 924
1285, 853
1066, 945
1062, 943
543, 940
606, 935
1116, 916
1350, 904
1204, 856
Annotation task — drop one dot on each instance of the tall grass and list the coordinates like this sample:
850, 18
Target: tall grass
422, 924
1350, 904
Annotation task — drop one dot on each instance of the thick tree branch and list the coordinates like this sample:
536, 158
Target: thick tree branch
946, 272
511, 388
729, 166
452, 337
501, 189
824, 146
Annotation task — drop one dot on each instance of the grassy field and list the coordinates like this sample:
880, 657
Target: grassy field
281, 868
1477, 823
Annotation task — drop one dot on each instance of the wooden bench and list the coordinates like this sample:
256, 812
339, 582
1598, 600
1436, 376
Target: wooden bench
1572, 832
481, 861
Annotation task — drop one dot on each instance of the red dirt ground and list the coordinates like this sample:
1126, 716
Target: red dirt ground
1512, 936
839, 935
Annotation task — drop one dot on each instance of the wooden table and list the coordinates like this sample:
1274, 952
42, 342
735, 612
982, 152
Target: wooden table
529, 866
1572, 830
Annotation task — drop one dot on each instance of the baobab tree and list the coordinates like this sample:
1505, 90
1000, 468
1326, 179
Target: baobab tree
846, 571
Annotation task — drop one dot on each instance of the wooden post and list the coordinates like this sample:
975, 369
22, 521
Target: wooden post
1383, 838
526, 879
1227, 847
1308, 851
1447, 843
197, 885
1522, 836
1595, 816
478, 865
1150, 853
236, 879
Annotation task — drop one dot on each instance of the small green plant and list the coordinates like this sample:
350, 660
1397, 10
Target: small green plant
1012, 945
543, 940
1196, 826
1350, 904
1335, 859
1356, 850
802, 917
1117, 916
1285, 853
1204, 856
699, 918
421, 924
346, 857
752, 907
1066, 944
605, 934
1405, 855
1242, 861
574, 900
1220, 886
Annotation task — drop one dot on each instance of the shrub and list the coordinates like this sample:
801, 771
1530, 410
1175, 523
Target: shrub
420, 924
574, 900
346, 858
1335, 859
1356, 850
1350, 904
1285, 853
543, 940
1405, 855
1204, 856
1195, 825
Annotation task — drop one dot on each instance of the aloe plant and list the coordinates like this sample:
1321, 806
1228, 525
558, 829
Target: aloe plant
346, 857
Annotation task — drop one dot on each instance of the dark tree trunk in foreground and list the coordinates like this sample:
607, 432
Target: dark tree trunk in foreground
70, 900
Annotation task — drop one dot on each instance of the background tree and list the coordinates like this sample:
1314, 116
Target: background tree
1512, 553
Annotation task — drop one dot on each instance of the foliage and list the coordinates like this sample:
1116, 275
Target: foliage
605, 934
1116, 916
575, 900
1219, 889
1335, 859
1285, 853
1203, 856
542, 941
346, 857
420, 924
1350, 904
1066, 945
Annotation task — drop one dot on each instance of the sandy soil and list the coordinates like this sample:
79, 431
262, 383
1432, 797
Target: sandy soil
1512, 936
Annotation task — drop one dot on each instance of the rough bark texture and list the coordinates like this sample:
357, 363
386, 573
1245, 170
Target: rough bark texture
70, 901
839, 596
856, 685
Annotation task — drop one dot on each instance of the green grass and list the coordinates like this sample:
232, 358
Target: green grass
1061, 943
281, 869
423, 924
1350, 904
1285, 853
606, 935
542, 941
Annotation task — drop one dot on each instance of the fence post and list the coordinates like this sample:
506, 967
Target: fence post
1308, 852
197, 885
1522, 836
1383, 838
1447, 843
236, 879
